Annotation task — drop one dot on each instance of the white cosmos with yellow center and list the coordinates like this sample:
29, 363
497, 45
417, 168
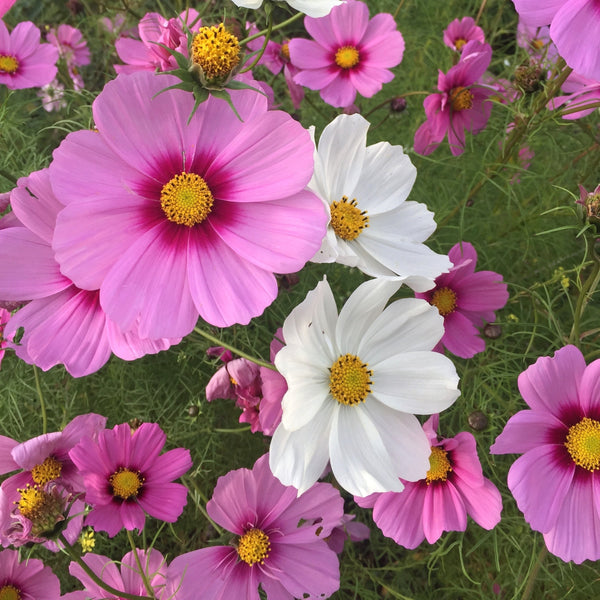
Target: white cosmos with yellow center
374, 441
311, 8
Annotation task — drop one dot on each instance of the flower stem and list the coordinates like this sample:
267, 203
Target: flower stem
273, 28
534, 573
139, 565
264, 46
38, 387
188, 481
589, 287
218, 342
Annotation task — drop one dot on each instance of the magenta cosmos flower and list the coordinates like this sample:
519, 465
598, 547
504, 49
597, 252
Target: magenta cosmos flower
466, 300
349, 53
62, 324
555, 482
171, 220
72, 48
453, 488
571, 21
24, 62
460, 106
27, 580
125, 477
279, 542
459, 32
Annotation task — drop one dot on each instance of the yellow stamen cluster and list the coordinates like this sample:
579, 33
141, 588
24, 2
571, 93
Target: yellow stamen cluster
347, 57
47, 471
254, 546
459, 43
87, 540
126, 484
583, 443
444, 299
350, 380
216, 51
439, 465
8, 64
537, 44
461, 98
347, 220
285, 51
42, 508
186, 199
10, 592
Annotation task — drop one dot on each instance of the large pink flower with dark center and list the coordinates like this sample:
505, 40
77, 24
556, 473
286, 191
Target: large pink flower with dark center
27, 579
24, 62
174, 220
556, 480
349, 53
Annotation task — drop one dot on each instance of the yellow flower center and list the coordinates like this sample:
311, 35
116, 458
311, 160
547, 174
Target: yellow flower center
216, 51
461, 98
126, 484
9, 592
186, 199
459, 43
49, 470
537, 44
439, 465
285, 51
8, 64
583, 443
254, 546
444, 299
347, 220
347, 57
44, 510
350, 380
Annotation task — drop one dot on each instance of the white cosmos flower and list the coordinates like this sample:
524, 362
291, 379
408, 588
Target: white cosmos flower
311, 8
355, 382
371, 225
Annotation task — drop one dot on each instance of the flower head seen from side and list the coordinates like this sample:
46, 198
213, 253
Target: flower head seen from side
26, 579
24, 62
555, 480
354, 383
126, 477
453, 489
460, 104
183, 220
279, 541
348, 54
311, 8
461, 31
467, 300
371, 225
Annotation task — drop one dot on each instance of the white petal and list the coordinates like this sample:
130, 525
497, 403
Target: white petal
314, 8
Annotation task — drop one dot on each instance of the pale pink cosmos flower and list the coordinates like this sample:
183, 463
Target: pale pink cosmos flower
461, 104
349, 53
453, 489
467, 300
172, 220
571, 21
52, 96
461, 31
27, 579
125, 477
62, 324
24, 62
72, 48
555, 481
580, 92
280, 541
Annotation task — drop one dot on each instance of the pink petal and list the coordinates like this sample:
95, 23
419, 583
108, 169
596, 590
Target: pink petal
7, 463
306, 54
461, 337
103, 567
164, 501
168, 466
537, 13
443, 510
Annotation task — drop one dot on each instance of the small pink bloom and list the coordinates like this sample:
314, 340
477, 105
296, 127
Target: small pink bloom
454, 488
348, 529
52, 96
280, 540
460, 106
459, 32
274, 386
27, 579
125, 477
72, 48
349, 53
555, 481
24, 62
537, 42
466, 300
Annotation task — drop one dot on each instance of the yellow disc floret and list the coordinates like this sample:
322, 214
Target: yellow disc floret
459, 43
186, 199
461, 98
439, 465
444, 299
216, 51
47, 471
347, 220
254, 546
126, 484
347, 57
350, 380
8, 64
42, 508
10, 592
583, 443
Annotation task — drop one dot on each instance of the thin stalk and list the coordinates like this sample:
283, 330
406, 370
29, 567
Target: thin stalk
273, 28
218, 342
264, 46
188, 481
397, 11
139, 565
480, 12
534, 573
38, 387
575, 109
388, 100
589, 287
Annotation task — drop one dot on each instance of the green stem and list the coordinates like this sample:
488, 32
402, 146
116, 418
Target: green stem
575, 109
273, 28
589, 287
218, 342
264, 46
38, 387
534, 573
187, 481
480, 12
238, 430
388, 100
139, 565
67, 549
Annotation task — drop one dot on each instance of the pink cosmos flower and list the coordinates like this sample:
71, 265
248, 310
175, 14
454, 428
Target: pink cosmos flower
460, 106
348, 529
571, 21
52, 96
281, 540
125, 477
580, 92
459, 32
4, 317
72, 48
537, 42
555, 480
27, 579
454, 488
274, 387
24, 62
466, 300
349, 53
62, 324
174, 220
